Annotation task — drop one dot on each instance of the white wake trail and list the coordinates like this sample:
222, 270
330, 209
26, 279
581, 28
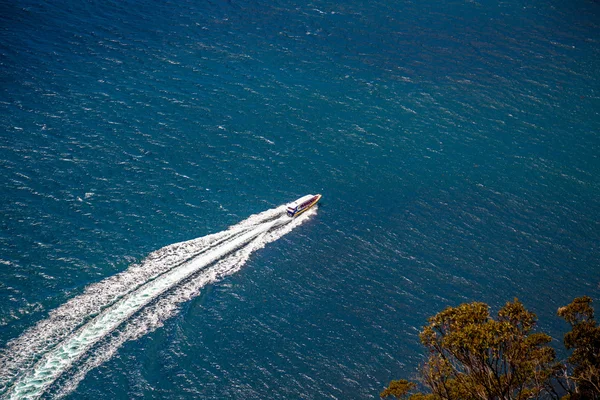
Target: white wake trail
23, 352
170, 274
153, 316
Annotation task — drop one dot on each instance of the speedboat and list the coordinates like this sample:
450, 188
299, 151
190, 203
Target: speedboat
302, 204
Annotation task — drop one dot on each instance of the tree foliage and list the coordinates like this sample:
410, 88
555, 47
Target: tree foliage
474, 356
399, 389
584, 340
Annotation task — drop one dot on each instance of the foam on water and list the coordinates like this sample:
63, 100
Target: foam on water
22, 352
141, 297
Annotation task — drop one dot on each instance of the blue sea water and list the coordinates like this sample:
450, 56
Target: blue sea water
456, 145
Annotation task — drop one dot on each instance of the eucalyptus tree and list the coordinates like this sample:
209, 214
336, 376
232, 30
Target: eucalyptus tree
582, 371
473, 356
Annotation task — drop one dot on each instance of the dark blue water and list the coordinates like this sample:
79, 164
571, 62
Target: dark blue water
456, 146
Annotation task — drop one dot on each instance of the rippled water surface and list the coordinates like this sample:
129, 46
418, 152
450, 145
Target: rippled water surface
455, 144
